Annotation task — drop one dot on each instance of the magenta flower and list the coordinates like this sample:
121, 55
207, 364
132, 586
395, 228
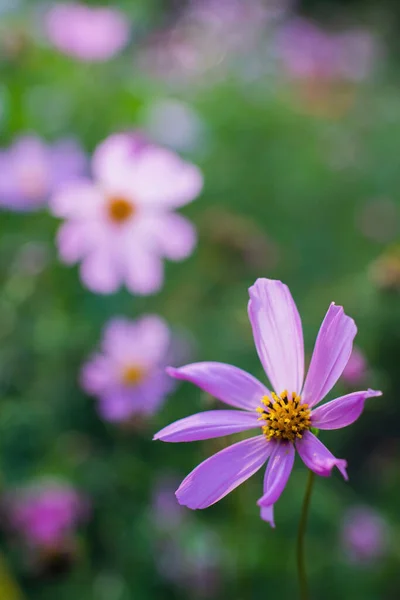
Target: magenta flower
128, 375
45, 514
284, 416
35, 170
364, 535
91, 34
122, 224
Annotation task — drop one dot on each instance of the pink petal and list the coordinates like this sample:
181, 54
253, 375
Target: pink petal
317, 457
77, 200
116, 406
277, 334
217, 476
176, 237
163, 179
99, 272
341, 412
97, 375
118, 336
153, 337
73, 241
114, 160
278, 472
225, 382
207, 425
267, 514
144, 272
331, 353
145, 340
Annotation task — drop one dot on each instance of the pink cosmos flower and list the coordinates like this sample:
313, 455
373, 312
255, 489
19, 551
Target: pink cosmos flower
364, 535
128, 374
34, 170
46, 513
284, 417
122, 224
87, 33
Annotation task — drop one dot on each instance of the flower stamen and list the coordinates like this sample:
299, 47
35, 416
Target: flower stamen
285, 417
120, 209
132, 375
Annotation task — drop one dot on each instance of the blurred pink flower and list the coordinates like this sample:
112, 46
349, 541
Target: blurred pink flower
87, 33
122, 224
34, 170
356, 369
128, 374
46, 513
364, 534
308, 51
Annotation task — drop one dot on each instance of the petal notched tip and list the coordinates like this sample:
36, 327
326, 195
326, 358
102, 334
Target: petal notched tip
324, 467
267, 514
373, 393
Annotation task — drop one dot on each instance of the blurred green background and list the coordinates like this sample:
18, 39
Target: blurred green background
302, 179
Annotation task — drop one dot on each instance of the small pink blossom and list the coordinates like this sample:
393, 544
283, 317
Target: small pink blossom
121, 225
46, 513
88, 33
32, 170
128, 374
364, 535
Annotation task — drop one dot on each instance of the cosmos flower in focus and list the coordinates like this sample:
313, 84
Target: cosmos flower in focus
283, 417
88, 33
46, 513
128, 374
35, 170
364, 535
121, 225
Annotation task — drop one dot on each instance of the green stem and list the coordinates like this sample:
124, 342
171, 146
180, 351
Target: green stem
301, 568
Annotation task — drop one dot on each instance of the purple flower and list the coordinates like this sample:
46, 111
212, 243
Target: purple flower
87, 33
356, 369
35, 170
285, 416
364, 535
46, 513
128, 375
310, 52
122, 224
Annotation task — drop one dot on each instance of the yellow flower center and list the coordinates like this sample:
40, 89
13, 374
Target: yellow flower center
285, 417
132, 375
120, 209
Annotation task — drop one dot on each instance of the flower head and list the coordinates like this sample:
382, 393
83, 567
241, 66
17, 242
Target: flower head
46, 513
284, 417
122, 224
91, 34
35, 170
128, 374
